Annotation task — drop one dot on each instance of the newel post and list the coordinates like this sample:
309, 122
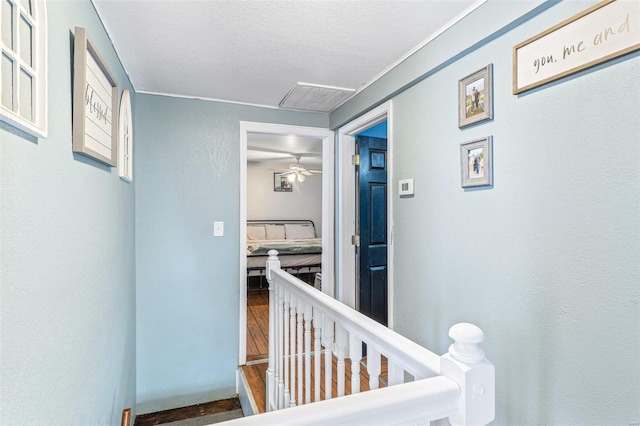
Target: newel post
466, 365
272, 396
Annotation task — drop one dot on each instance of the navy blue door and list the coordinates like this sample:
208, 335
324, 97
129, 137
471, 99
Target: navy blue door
372, 217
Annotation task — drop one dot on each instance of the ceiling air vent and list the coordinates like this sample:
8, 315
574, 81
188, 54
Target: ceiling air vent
314, 97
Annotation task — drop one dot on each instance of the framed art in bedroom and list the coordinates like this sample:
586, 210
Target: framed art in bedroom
281, 183
475, 97
476, 162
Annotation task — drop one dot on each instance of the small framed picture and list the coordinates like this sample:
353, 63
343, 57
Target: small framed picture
281, 183
476, 162
475, 97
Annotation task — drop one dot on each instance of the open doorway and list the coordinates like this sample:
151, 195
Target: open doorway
291, 157
347, 266
371, 223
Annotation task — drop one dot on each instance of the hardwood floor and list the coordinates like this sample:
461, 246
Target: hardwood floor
190, 412
257, 325
258, 352
256, 378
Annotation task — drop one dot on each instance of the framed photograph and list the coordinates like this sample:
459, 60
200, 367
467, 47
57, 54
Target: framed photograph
476, 162
95, 103
475, 97
281, 183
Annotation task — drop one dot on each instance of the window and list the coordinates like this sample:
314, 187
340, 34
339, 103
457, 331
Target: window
23, 69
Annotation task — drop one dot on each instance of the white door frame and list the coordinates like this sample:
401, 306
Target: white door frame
328, 282
346, 220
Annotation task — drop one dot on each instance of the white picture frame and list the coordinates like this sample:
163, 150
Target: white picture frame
95, 102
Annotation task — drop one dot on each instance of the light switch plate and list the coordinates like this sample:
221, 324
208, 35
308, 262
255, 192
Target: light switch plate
218, 229
405, 187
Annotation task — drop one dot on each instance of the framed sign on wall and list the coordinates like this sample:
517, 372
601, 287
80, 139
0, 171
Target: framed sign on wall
95, 97
603, 32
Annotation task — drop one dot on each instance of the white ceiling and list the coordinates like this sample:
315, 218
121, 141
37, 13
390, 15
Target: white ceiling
262, 147
255, 51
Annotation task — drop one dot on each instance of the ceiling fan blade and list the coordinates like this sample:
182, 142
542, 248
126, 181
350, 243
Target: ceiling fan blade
315, 171
306, 172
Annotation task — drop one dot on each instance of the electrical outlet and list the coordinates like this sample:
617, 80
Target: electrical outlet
218, 229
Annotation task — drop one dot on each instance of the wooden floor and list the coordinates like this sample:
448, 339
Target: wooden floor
190, 412
256, 377
258, 351
257, 325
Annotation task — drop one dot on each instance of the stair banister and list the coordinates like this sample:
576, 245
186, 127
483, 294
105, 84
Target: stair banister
459, 385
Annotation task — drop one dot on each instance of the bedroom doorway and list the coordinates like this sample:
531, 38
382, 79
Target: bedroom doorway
283, 142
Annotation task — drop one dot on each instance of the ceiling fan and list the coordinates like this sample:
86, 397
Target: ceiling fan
298, 171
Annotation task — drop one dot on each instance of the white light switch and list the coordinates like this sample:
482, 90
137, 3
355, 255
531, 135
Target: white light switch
218, 229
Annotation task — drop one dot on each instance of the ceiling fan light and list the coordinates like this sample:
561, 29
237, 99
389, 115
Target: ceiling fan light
301, 177
291, 177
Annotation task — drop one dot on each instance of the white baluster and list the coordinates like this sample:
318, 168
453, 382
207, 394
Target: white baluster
355, 354
285, 354
373, 367
396, 373
317, 349
272, 264
327, 340
307, 352
299, 376
341, 345
292, 351
466, 365
280, 346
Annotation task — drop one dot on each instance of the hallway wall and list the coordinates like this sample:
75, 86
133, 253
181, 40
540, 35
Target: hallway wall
67, 289
547, 261
187, 166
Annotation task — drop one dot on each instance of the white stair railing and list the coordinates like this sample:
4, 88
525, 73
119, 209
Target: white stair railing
421, 386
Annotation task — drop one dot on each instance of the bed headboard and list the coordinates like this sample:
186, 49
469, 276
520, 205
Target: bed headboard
280, 229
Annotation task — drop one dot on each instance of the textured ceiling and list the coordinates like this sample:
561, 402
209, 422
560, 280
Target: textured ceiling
255, 51
284, 149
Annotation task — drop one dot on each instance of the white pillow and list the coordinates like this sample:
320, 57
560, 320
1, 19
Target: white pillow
256, 232
299, 231
275, 232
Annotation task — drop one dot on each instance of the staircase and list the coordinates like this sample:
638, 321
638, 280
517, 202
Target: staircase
316, 373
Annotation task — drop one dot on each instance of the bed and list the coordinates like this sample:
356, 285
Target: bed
299, 249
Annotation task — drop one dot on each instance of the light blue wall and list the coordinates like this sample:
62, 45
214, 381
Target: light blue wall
187, 176
547, 261
67, 287
377, 131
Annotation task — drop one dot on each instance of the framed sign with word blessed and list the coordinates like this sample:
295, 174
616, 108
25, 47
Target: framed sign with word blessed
95, 96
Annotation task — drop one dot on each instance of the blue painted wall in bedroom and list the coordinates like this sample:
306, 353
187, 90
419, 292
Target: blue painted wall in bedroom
377, 131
